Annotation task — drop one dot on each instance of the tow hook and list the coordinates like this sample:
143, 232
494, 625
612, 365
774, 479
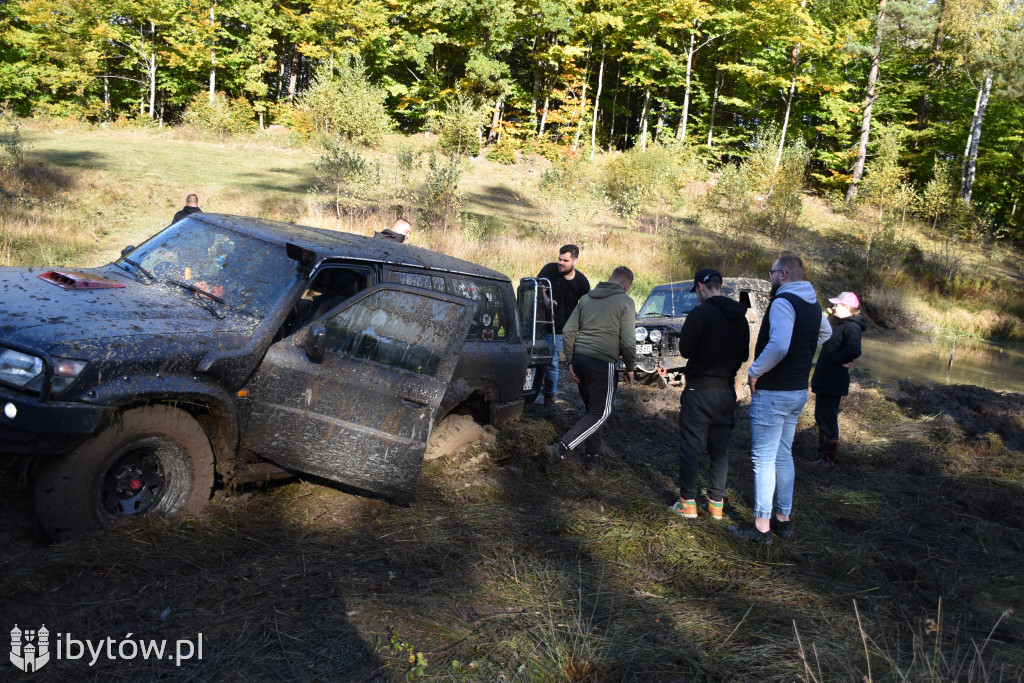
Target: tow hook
660, 369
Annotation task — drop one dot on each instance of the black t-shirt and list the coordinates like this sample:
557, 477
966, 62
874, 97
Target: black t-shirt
566, 293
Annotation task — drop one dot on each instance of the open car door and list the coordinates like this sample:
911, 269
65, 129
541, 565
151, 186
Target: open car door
352, 397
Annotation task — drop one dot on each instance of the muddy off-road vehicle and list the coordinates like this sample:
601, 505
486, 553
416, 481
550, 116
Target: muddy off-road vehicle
232, 349
661, 318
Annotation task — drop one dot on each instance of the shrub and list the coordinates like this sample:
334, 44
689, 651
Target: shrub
443, 199
343, 104
650, 181
504, 152
777, 180
345, 178
888, 307
458, 127
12, 145
221, 116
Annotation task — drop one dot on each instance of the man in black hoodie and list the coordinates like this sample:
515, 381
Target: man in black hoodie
715, 340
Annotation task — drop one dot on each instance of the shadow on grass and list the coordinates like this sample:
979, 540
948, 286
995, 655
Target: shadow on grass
500, 572
80, 159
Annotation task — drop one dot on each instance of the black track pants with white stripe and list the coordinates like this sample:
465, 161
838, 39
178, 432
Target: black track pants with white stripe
597, 387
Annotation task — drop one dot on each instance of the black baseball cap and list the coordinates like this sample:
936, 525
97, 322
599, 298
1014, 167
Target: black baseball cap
705, 276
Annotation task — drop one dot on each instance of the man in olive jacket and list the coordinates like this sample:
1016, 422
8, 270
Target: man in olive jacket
600, 329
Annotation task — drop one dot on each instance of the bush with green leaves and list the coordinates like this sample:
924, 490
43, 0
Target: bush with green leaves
458, 127
649, 182
345, 178
443, 199
12, 145
775, 173
221, 116
504, 152
342, 103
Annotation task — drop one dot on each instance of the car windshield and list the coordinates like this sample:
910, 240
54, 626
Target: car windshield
669, 302
247, 273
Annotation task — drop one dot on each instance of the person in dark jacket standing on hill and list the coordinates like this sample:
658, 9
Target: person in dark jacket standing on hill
567, 286
831, 379
715, 340
600, 329
191, 207
791, 330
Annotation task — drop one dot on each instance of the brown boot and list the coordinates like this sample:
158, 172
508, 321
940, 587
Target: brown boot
827, 456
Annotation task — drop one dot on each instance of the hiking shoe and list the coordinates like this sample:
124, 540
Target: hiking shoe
549, 400
783, 529
715, 507
553, 454
591, 465
685, 508
749, 532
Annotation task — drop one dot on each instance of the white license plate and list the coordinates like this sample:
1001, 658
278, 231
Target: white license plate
530, 374
645, 349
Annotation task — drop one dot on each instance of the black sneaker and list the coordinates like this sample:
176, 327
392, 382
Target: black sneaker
591, 465
783, 529
749, 532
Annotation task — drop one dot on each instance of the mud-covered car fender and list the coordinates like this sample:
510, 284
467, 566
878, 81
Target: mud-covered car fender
208, 403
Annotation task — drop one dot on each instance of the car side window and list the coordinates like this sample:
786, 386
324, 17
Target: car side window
489, 322
400, 329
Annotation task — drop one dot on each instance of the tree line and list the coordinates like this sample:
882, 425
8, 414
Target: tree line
939, 79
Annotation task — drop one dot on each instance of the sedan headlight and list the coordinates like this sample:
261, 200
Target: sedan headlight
19, 369
655, 336
641, 334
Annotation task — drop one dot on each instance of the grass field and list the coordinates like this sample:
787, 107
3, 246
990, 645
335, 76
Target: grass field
906, 565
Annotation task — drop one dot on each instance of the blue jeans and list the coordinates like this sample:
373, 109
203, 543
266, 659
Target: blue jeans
773, 416
551, 371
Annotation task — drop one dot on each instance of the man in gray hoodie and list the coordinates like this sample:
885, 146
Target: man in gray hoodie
792, 328
600, 329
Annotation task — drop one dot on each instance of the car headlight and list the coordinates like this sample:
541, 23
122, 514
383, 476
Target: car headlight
655, 336
65, 372
641, 334
20, 369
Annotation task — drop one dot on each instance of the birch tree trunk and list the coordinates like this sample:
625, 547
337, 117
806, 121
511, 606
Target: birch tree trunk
970, 165
661, 114
151, 67
643, 118
714, 102
683, 120
583, 102
795, 61
597, 102
615, 99
869, 101
213, 57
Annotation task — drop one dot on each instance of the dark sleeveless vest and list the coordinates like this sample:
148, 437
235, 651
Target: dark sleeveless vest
793, 370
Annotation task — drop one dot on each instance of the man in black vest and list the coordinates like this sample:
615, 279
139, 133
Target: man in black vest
792, 328
715, 340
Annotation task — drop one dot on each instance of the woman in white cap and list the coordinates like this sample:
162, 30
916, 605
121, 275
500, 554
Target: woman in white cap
831, 379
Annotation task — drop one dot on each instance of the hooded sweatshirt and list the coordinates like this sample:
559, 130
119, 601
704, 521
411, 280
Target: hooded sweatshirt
603, 326
831, 378
781, 317
715, 340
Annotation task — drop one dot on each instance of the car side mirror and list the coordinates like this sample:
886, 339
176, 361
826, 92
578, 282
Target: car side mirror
315, 341
127, 250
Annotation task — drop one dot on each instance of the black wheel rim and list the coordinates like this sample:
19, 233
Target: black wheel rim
134, 483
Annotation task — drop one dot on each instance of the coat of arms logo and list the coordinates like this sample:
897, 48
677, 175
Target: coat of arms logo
30, 649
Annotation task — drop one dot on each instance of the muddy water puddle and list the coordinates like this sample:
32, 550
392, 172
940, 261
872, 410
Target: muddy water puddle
926, 359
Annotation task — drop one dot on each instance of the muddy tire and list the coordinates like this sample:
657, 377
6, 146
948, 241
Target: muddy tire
453, 435
152, 460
